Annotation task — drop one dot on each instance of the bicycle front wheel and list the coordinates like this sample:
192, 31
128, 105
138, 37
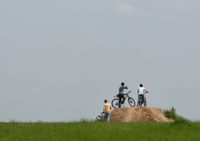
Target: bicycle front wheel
145, 102
131, 102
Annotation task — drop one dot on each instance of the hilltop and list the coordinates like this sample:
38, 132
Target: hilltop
138, 114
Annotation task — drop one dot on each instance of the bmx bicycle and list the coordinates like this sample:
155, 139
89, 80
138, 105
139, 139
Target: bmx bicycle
115, 102
100, 117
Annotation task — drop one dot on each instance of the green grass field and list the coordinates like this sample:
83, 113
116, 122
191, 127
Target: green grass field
99, 131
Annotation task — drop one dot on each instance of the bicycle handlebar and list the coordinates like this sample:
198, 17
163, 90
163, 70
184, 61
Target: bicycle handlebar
124, 94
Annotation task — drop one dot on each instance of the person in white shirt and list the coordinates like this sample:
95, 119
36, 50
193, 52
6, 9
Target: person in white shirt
141, 97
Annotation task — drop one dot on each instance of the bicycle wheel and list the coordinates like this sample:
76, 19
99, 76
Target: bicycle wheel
131, 102
98, 118
115, 103
145, 102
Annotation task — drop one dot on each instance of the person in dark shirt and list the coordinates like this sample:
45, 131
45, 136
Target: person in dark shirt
121, 94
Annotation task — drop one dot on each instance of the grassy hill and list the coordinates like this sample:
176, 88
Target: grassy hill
100, 131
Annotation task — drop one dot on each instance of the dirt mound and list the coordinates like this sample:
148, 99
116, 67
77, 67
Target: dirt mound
138, 114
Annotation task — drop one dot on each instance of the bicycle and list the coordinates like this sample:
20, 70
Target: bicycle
115, 102
100, 117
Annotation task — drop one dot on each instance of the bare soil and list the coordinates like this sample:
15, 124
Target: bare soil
138, 114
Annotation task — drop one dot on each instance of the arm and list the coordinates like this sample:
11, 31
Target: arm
145, 91
103, 108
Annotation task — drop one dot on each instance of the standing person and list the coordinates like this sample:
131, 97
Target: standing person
141, 97
121, 94
106, 109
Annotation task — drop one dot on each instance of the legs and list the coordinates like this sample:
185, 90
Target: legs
106, 116
121, 100
140, 100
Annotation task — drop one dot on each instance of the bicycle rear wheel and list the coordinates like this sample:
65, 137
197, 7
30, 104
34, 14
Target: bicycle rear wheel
115, 103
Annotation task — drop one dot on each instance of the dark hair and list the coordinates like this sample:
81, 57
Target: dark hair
105, 101
141, 85
122, 83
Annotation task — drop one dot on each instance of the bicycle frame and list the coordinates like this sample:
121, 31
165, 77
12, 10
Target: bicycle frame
129, 99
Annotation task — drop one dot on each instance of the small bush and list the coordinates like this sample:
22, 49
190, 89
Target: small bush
171, 113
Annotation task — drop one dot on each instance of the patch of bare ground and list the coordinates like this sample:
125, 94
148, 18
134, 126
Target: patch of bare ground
138, 114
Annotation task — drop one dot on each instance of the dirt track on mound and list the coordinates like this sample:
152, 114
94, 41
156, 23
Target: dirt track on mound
138, 114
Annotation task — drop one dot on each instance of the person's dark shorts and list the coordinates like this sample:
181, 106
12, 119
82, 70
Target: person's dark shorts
141, 97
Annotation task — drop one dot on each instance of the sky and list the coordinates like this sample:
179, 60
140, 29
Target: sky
60, 59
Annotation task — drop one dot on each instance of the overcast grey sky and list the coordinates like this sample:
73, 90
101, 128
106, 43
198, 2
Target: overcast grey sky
60, 59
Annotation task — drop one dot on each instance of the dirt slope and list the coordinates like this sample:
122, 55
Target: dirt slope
138, 114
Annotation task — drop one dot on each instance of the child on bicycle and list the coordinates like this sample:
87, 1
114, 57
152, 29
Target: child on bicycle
121, 94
